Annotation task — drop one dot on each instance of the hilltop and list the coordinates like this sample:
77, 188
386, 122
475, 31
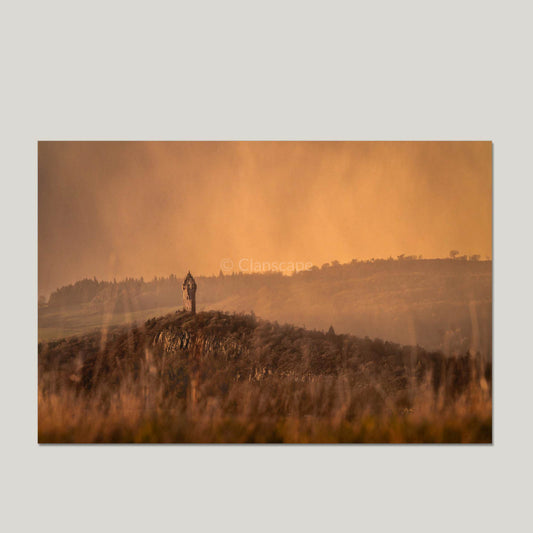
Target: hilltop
440, 304
220, 377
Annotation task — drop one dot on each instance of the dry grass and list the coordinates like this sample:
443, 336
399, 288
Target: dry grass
131, 387
129, 417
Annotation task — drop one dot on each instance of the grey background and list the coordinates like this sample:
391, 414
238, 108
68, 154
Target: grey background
266, 70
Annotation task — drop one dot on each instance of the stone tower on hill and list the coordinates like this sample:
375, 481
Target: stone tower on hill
189, 293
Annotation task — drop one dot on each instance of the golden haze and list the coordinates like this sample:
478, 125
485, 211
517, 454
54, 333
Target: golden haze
131, 209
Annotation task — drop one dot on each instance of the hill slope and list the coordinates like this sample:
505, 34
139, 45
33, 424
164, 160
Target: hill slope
439, 304
216, 377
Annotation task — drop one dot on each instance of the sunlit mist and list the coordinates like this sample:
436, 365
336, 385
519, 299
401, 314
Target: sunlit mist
132, 209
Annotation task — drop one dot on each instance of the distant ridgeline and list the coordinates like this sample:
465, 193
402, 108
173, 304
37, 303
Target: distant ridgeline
443, 304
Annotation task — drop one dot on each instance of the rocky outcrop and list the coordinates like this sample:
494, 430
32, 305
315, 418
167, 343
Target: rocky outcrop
173, 339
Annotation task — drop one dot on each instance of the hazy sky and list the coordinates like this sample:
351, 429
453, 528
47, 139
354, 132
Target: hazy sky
117, 209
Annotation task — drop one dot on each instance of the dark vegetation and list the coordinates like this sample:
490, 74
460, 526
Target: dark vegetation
218, 377
440, 304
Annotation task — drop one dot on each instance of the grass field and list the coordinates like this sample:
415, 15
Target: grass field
80, 319
216, 377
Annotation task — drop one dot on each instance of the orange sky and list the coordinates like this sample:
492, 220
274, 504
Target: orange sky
117, 209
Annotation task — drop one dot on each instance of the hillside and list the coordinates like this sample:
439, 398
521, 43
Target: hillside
218, 377
440, 304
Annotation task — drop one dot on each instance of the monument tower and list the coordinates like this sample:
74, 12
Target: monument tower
189, 293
